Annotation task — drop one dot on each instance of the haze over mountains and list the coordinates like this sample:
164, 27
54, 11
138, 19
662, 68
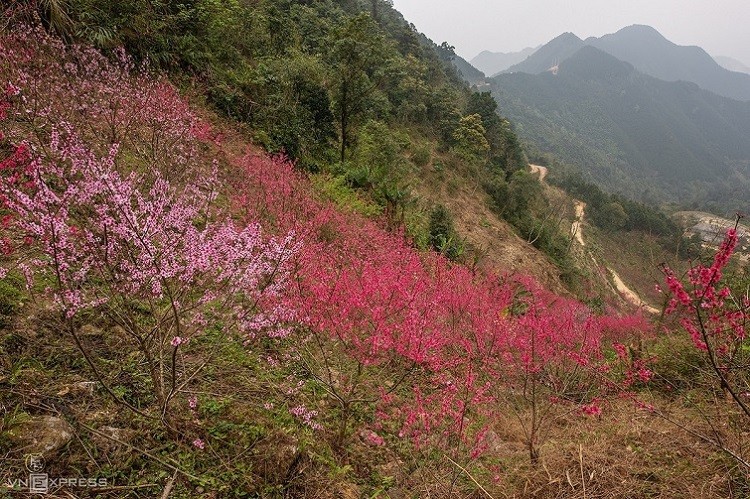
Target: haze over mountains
649, 52
491, 63
637, 114
732, 64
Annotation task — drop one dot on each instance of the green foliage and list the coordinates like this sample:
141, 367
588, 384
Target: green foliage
443, 237
470, 138
357, 58
337, 189
379, 168
297, 109
651, 140
483, 104
614, 212
10, 298
421, 155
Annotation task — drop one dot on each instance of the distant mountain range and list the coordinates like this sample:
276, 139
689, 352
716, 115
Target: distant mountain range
650, 53
732, 64
468, 72
491, 63
632, 133
548, 55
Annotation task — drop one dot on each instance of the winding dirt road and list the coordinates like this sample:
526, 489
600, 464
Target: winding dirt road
627, 293
576, 230
541, 170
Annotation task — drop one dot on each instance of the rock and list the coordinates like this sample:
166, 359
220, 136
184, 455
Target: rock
278, 458
498, 446
109, 437
45, 434
81, 388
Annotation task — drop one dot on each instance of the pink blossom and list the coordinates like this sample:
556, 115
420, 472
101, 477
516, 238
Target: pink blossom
592, 409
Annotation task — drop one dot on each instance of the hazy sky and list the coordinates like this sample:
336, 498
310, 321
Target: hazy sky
721, 27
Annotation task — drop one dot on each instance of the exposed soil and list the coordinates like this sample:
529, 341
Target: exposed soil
541, 170
492, 242
628, 294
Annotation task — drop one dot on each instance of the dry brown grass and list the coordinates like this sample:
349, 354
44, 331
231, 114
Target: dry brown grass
625, 453
492, 243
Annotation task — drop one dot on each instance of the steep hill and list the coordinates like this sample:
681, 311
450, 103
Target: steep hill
652, 54
549, 55
494, 62
632, 133
469, 72
185, 314
732, 64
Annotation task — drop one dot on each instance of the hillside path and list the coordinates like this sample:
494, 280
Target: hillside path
576, 230
622, 288
541, 170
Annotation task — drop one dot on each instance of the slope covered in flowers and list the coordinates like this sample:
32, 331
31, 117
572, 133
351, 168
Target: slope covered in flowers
122, 207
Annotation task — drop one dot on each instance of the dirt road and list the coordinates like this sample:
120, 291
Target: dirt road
541, 170
576, 230
627, 293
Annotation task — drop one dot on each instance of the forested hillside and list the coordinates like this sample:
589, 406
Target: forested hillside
648, 139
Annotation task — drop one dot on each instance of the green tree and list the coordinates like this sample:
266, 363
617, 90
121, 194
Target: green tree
443, 237
296, 111
380, 168
485, 105
524, 194
470, 137
612, 216
358, 58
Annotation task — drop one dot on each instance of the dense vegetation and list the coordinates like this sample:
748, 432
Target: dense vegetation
347, 88
185, 315
216, 303
647, 139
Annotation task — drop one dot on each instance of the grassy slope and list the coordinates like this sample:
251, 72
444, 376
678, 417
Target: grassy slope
262, 451
626, 452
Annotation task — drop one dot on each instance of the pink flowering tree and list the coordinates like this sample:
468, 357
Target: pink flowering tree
516, 348
111, 216
716, 318
437, 348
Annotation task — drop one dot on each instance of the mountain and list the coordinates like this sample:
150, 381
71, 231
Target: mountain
651, 53
549, 55
732, 64
470, 74
494, 62
632, 133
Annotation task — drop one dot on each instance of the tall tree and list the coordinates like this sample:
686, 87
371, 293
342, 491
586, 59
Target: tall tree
358, 56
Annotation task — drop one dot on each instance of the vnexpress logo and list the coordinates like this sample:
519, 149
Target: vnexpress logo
38, 481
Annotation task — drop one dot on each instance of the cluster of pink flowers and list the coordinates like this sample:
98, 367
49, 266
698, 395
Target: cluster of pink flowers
111, 235
390, 310
703, 303
306, 416
108, 191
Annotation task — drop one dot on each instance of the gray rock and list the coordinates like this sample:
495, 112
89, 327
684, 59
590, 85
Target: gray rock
81, 388
44, 434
